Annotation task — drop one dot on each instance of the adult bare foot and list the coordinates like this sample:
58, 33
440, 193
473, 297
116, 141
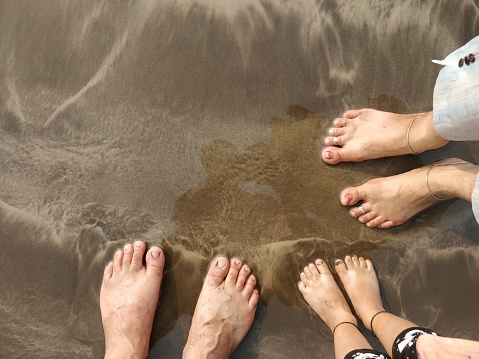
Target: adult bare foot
361, 284
391, 201
319, 289
128, 300
224, 311
367, 134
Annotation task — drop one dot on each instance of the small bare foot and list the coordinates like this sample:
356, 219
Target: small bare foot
391, 201
361, 284
319, 289
128, 300
224, 311
367, 134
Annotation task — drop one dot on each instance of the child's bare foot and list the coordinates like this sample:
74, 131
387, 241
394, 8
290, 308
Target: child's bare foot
367, 134
224, 312
128, 300
319, 289
391, 201
361, 284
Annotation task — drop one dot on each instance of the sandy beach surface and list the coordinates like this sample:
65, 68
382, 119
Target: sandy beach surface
197, 125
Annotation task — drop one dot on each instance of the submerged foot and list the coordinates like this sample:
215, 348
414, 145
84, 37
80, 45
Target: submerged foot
361, 284
128, 300
368, 134
319, 289
224, 311
391, 201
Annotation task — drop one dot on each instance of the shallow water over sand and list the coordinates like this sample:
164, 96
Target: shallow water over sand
197, 125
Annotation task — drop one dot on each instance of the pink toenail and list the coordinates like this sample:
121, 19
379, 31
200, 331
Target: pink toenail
329, 155
220, 264
155, 253
349, 198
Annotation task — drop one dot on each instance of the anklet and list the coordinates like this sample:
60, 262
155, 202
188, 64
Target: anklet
371, 323
427, 177
407, 137
337, 325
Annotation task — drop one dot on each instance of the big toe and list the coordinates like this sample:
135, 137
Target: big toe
155, 262
351, 195
217, 271
341, 268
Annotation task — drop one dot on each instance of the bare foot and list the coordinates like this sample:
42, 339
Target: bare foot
391, 201
319, 289
361, 284
128, 300
224, 311
367, 134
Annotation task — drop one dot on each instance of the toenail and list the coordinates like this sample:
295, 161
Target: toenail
326, 141
361, 220
155, 253
329, 155
355, 256
331, 131
352, 213
237, 261
319, 261
117, 253
348, 257
338, 262
368, 224
127, 248
246, 268
349, 198
253, 278
137, 243
220, 264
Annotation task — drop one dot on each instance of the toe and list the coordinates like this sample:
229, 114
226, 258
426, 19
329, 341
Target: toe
118, 260
333, 155
127, 255
217, 271
322, 267
244, 272
137, 257
362, 262
249, 286
349, 196
348, 261
352, 114
308, 273
108, 272
253, 300
340, 267
155, 262
314, 271
369, 216
235, 267
355, 260
375, 222
334, 131
386, 224
369, 265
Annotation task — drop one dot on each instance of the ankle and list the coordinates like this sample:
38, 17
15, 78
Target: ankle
454, 179
423, 135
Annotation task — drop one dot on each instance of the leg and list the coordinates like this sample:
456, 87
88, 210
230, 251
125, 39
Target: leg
319, 289
368, 134
434, 347
361, 284
391, 201
224, 312
128, 299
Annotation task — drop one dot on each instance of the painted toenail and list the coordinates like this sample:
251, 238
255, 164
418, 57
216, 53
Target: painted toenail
137, 243
338, 262
155, 253
329, 155
220, 264
349, 198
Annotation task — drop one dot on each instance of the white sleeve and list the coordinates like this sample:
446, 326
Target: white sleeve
456, 95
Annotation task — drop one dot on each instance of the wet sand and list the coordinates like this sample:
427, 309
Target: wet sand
197, 126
